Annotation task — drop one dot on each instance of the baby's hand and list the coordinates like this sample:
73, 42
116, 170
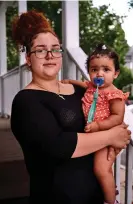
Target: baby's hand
112, 152
92, 127
65, 81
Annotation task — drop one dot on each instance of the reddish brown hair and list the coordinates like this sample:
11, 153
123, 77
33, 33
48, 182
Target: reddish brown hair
26, 27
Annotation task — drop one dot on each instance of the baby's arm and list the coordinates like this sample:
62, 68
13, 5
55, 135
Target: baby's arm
76, 82
117, 110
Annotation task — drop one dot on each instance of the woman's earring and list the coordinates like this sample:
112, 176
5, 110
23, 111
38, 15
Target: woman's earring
29, 66
29, 63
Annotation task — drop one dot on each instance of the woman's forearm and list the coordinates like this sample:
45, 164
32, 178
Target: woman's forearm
91, 142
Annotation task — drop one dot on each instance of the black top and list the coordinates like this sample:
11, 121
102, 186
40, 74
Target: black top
46, 127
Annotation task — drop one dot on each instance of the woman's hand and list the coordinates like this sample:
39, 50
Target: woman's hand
119, 136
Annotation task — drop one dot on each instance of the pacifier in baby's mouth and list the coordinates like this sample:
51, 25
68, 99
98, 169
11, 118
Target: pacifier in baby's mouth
98, 81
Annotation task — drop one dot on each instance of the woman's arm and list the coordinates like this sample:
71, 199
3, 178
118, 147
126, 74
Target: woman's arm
117, 109
117, 137
75, 82
33, 124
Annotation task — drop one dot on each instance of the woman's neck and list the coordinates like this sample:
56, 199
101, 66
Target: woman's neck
51, 85
44, 84
48, 84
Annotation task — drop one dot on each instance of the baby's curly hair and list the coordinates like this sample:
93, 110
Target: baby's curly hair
26, 27
102, 50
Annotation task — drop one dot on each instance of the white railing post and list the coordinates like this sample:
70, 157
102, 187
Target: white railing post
3, 53
129, 176
1, 97
117, 174
22, 7
70, 35
3, 44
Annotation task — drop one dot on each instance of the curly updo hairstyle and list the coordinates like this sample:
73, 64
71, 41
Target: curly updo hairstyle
27, 26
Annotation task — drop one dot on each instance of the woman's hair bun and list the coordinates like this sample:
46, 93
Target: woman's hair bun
27, 25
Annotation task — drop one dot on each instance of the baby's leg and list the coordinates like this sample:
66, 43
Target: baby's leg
104, 174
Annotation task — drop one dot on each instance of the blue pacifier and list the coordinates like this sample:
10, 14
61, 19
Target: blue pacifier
98, 81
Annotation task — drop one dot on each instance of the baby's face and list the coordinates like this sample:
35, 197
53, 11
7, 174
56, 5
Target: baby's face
103, 67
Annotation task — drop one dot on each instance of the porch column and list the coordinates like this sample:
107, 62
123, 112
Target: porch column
70, 35
22, 7
3, 53
3, 46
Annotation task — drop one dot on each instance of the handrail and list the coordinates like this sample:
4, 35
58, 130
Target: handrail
12, 71
74, 54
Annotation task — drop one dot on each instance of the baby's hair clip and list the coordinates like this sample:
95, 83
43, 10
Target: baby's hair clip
104, 47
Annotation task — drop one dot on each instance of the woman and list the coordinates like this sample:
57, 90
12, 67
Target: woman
48, 122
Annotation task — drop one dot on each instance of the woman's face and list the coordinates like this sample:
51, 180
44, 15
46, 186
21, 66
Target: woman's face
46, 66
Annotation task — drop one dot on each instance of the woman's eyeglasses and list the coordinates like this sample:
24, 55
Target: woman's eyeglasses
42, 53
